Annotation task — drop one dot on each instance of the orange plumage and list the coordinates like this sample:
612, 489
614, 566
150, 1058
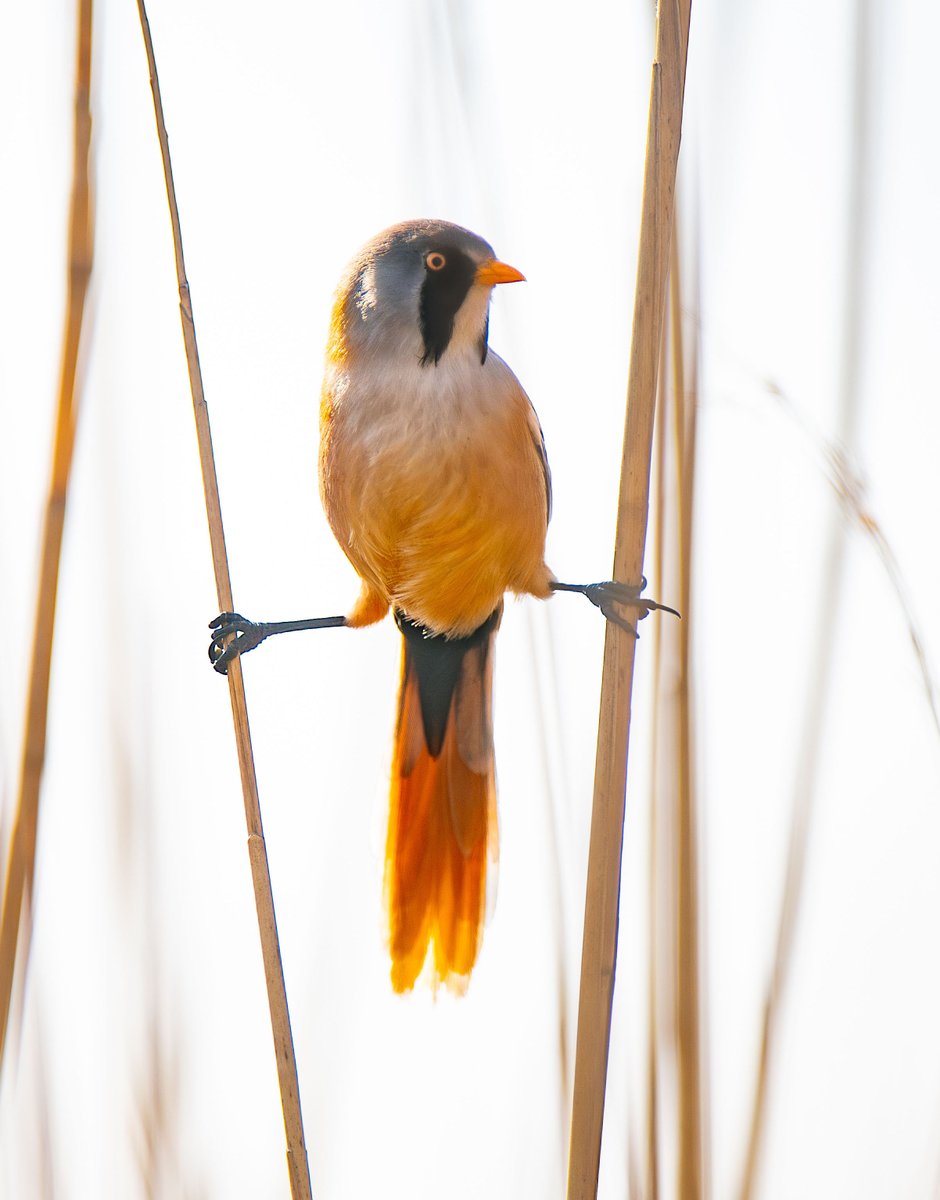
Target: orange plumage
442, 833
434, 480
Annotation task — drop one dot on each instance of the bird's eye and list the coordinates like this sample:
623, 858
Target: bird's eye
436, 261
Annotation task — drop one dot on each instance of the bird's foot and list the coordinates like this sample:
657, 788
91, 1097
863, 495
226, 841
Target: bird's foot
245, 636
608, 595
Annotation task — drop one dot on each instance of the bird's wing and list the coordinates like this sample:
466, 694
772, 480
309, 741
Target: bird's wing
538, 440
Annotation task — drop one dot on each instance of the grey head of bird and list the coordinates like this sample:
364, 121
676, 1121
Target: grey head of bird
422, 289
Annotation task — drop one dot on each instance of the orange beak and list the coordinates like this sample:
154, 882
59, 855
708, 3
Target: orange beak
494, 271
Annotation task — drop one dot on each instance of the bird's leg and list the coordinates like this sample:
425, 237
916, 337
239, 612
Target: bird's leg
607, 595
247, 634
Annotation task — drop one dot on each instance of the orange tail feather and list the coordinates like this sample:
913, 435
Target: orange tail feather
442, 822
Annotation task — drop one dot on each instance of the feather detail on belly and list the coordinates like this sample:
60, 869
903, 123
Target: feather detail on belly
441, 505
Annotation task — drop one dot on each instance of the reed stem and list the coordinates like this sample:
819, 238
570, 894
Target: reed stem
298, 1168
599, 948
687, 941
21, 861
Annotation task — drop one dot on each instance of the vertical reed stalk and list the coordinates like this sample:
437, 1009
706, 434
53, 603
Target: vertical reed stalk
674, 893
298, 1168
687, 956
21, 862
651, 1191
599, 948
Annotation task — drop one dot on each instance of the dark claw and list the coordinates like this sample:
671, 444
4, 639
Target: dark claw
225, 619
611, 614
245, 636
610, 593
606, 595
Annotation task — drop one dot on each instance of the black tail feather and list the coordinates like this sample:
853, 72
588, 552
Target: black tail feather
437, 660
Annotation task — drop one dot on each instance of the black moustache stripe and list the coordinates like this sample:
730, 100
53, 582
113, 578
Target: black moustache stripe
442, 294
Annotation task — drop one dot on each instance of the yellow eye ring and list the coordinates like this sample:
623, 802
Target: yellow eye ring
435, 261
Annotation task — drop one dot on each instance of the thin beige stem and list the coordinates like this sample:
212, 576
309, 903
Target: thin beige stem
687, 998
599, 948
21, 863
298, 1168
658, 704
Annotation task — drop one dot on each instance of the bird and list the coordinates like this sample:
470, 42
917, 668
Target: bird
434, 479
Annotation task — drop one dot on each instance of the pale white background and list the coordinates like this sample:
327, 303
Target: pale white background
298, 131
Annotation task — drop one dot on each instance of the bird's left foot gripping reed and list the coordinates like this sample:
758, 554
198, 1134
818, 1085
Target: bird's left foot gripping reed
421, 426
607, 596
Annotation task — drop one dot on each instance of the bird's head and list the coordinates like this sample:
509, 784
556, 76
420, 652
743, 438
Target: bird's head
421, 288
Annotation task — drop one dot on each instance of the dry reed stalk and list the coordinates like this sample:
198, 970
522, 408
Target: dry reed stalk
672, 795
687, 954
158, 1115
831, 590
651, 1191
298, 1167
847, 480
599, 948
47, 1178
21, 861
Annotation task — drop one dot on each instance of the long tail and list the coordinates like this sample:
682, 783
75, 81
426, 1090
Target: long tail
442, 821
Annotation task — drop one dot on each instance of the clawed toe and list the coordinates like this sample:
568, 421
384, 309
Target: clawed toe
610, 613
607, 595
610, 593
245, 636
227, 618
